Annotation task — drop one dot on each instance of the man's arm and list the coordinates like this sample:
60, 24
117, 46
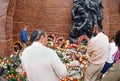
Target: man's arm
58, 66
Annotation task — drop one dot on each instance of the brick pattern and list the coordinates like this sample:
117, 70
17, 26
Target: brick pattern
114, 17
9, 26
106, 17
6, 26
3, 13
51, 15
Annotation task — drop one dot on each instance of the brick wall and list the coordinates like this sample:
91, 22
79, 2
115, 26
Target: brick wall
9, 26
111, 20
114, 16
54, 16
3, 15
6, 25
106, 17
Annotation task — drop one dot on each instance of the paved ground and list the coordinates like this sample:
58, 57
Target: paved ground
113, 73
1, 79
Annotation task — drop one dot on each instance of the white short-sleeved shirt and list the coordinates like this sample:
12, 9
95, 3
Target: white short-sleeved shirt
42, 63
112, 50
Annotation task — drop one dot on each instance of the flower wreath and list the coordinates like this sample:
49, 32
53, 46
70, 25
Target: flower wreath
51, 37
74, 79
63, 45
72, 46
82, 38
18, 44
60, 40
50, 44
82, 48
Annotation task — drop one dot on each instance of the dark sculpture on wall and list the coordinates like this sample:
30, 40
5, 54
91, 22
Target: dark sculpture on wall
85, 13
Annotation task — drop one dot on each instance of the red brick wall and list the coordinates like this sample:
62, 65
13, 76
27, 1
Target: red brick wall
6, 26
111, 20
54, 16
3, 15
114, 16
106, 17
9, 26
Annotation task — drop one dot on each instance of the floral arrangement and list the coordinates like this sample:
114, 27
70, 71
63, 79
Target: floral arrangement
8, 69
74, 56
17, 46
83, 40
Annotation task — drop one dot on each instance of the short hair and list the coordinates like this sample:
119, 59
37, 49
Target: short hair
36, 35
97, 26
117, 38
25, 26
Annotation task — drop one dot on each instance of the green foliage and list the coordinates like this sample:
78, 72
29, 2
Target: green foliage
9, 66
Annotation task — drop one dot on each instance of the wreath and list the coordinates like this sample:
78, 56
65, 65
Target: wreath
72, 46
51, 37
50, 44
17, 46
83, 40
64, 44
72, 78
59, 41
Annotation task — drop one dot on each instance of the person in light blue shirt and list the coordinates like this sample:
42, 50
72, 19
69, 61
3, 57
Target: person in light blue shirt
24, 36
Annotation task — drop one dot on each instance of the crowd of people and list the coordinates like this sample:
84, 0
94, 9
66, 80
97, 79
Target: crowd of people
42, 63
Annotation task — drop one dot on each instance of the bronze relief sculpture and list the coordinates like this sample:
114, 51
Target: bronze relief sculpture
85, 13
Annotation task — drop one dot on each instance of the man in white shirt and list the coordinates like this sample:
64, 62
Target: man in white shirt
98, 49
42, 63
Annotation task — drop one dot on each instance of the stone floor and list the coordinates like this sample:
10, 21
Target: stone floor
113, 73
1, 79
